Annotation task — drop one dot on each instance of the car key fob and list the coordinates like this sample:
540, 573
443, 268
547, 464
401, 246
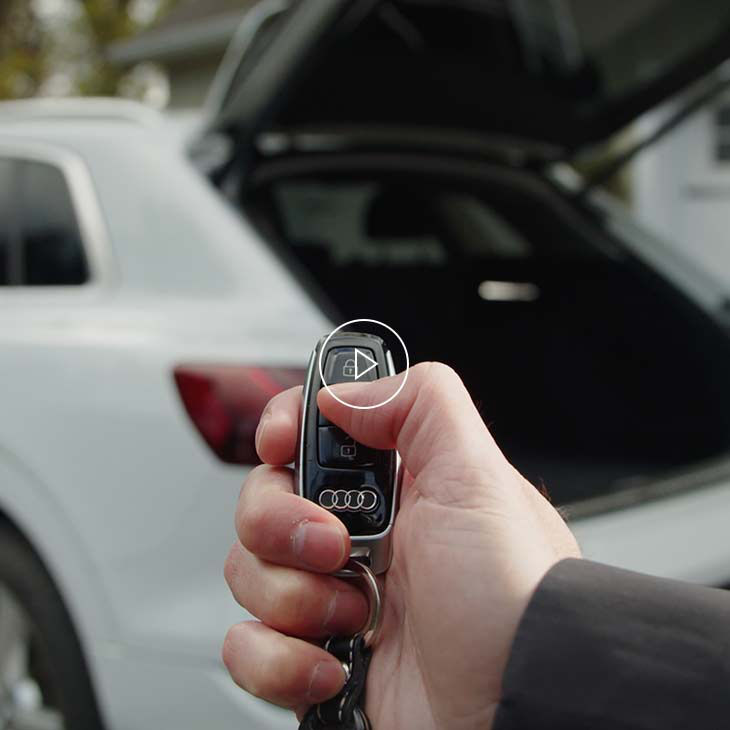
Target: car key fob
356, 483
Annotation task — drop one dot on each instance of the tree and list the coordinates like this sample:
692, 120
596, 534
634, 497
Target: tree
67, 45
101, 22
23, 50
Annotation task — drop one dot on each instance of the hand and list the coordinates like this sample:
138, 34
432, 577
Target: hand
471, 542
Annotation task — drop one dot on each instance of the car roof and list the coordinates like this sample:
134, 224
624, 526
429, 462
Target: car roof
60, 121
101, 109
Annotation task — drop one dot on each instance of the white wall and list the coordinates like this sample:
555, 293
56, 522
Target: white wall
683, 193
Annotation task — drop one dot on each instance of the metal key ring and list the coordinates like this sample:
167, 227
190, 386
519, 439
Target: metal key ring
356, 569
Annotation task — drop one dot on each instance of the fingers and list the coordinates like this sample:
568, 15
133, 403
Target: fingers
276, 434
431, 419
293, 601
286, 671
278, 526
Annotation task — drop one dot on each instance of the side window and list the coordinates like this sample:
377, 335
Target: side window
52, 252
6, 194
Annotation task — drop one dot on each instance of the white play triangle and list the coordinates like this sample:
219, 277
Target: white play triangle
363, 360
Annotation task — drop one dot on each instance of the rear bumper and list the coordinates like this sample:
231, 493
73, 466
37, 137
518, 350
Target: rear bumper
683, 536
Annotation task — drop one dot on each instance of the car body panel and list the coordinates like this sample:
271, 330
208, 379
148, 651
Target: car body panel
102, 470
100, 466
683, 537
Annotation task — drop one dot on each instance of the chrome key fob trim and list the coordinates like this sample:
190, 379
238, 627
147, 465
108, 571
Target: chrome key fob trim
358, 484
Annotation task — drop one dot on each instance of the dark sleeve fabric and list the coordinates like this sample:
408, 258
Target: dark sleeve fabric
603, 648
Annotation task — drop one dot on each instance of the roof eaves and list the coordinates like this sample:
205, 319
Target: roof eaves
211, 34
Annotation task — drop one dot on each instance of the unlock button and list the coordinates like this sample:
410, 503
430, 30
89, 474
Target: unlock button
338, 449
350, 364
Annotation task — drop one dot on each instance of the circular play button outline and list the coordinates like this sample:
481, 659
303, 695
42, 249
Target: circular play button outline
324, 348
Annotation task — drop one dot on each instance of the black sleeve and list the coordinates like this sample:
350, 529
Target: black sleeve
603, 648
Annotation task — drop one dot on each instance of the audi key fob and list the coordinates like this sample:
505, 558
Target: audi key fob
354, 482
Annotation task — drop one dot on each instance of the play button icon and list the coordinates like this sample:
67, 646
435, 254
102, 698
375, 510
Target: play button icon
363, 364
352, 360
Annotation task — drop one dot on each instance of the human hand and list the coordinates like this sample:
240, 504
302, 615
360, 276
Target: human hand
471, 542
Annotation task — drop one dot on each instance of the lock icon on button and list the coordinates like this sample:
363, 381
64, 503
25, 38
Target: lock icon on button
348, 451
348, 369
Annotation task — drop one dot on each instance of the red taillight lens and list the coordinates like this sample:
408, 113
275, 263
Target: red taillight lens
225, 403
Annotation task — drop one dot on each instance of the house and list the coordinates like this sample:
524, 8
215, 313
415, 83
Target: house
681, 184
188, 44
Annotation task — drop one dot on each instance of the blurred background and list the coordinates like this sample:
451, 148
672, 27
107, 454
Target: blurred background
165, 54
536, 192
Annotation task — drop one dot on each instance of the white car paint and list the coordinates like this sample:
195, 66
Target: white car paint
103, 470
684, 537
99, 464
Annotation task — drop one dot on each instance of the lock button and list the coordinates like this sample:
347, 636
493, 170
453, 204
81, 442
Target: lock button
338, 449
349, 364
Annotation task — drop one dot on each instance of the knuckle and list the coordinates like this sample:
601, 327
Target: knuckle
442, 375
291, 605
266, 680
257, 471
266, 673
437, 382
251, 524
249, 490
256, 475
248, 675
229, 651
245, 496
232, 566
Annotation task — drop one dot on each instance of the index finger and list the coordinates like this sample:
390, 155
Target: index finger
277, 432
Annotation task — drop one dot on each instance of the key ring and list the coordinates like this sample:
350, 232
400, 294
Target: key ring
357, 570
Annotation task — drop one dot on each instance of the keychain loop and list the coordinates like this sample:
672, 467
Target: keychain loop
344, 710
356, 569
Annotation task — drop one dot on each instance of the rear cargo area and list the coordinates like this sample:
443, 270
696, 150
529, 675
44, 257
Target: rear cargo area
590, 370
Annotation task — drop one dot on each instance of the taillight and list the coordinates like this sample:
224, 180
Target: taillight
225, 403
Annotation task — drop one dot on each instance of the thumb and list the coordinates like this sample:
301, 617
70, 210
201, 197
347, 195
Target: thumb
432, 420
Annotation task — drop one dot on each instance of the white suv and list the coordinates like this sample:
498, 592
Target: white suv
143, 326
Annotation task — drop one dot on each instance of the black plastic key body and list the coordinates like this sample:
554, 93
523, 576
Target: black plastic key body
357, 483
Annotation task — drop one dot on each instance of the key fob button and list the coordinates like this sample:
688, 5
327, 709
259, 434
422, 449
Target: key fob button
337, 449
344, 365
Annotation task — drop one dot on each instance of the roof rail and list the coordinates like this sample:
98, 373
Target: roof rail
105, 108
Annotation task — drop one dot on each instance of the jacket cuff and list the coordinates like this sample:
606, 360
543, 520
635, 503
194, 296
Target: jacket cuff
600, 647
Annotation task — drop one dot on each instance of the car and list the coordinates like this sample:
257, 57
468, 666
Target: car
143, 327
414, 162
357, 172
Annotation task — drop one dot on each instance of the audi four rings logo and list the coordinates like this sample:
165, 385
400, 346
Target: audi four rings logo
352, 500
